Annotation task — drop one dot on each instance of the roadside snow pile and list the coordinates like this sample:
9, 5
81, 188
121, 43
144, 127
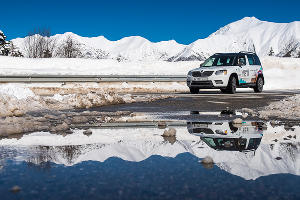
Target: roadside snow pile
17, 91
288, 108
48, 89
16, 100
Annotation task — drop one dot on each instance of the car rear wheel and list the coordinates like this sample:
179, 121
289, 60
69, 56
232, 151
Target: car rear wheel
231, 87
259, 85
194, 90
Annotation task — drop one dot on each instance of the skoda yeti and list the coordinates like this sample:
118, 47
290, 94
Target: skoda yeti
227, 71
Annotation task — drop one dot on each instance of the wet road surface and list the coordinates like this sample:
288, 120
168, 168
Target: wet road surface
205, 101
251, 160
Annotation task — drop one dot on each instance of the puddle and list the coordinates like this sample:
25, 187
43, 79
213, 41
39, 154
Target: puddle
250, 160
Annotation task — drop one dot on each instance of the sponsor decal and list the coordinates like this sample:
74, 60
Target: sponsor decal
242, 81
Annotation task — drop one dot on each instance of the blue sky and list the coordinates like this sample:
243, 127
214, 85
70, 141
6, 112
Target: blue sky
184, 21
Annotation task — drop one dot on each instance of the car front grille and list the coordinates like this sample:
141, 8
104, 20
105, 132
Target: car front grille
203, 74
203, 83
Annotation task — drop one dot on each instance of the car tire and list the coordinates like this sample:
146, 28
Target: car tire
224, 90
259, 85
194, 90
231, 87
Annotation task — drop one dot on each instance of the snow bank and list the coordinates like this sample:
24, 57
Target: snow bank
288, 108
79, 66
16, 100
280, 73
116, 87
17, 91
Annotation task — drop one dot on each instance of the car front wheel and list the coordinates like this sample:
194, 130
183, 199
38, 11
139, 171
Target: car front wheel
231, 87
194, 90
223, 90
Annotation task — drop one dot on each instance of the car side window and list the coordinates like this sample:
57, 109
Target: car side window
241, 60
250, 59
256, 60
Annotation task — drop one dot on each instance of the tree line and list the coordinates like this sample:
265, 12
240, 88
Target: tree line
40, 44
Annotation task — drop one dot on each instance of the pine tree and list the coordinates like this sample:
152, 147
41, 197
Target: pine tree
7, 48
271, 52
3, 44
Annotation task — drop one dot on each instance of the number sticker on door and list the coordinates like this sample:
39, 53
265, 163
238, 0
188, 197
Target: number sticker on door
245, 73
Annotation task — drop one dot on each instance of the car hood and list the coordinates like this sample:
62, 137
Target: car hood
216, 68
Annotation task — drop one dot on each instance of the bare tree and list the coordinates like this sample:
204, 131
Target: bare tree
290, 47
39, 44
69, 49
14, 51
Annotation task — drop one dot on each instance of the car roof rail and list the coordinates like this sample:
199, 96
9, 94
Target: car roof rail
224, 53
247, 52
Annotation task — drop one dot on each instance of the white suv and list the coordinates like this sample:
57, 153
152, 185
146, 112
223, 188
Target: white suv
227, 71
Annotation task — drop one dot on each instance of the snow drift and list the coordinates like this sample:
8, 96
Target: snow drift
280, 73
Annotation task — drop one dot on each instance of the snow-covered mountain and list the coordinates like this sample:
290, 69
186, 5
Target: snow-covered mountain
247, 34
129, 48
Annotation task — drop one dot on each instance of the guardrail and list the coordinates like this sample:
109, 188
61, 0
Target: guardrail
141, 124
90, 78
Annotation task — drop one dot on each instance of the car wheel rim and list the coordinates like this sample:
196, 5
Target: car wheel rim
233, 85
260, 84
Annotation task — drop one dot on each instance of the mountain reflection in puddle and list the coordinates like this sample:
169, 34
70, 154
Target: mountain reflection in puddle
141, 164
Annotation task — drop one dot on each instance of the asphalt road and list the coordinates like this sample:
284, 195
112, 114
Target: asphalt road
206, 101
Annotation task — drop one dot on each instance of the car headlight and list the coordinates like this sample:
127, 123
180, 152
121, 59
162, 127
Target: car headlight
221, 72
190, 73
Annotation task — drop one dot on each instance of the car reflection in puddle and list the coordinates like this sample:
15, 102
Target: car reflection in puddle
225, 135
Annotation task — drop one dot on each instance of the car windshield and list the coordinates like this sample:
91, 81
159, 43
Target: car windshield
219, 60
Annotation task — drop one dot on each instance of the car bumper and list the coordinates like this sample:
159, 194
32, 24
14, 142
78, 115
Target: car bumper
208, 82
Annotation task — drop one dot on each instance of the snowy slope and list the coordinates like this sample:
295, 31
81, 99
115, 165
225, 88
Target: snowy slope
246, 34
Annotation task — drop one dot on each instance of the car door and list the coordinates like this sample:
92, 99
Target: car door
253, 68
244, 70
